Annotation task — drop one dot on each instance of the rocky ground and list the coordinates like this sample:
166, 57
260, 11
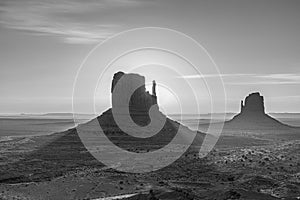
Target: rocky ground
270, 170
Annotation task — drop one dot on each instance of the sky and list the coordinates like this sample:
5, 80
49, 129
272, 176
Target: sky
255, 45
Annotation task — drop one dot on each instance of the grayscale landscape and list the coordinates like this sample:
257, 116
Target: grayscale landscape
149, 100
256, 157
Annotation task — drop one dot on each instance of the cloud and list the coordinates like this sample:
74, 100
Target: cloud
252, 79
63, 18
287, 77
214, 76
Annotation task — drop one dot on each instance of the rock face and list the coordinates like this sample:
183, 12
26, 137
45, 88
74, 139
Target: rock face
140, 103
254, 104
140, 100
252, 110
253, 116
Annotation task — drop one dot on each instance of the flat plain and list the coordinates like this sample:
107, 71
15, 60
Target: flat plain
57, 166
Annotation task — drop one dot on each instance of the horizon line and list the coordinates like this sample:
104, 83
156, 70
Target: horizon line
71, 113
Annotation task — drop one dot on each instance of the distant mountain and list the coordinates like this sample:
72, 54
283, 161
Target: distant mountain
47, 116
253, 121
57, 114
253, 116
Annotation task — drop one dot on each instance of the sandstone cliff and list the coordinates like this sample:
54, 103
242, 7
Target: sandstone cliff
253, 117
141, 100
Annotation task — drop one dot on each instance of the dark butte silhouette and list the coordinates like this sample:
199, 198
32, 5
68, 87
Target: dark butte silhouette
141, 99
254, 105
65, 152
253, 117
140, 103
